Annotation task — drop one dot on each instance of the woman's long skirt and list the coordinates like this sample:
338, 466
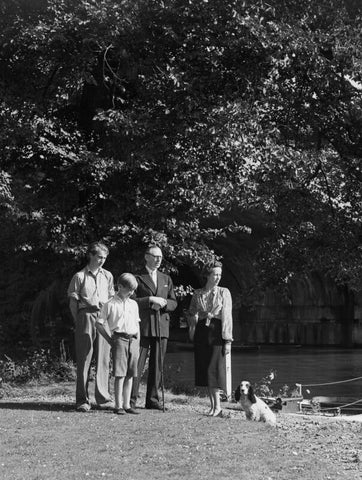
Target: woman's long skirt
210, 366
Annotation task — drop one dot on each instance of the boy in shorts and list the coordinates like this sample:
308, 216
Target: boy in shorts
122, 316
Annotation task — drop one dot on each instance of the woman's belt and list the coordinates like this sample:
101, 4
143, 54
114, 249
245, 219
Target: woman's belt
125, 335
208, 319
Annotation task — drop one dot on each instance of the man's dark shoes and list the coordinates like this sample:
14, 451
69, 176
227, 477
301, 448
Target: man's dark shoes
132, 411
155, 406
106, 406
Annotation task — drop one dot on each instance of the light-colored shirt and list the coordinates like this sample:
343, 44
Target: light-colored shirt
122, 316
216, 303
153, 275
91, 290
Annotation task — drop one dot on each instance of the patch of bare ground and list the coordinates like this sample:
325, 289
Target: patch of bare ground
42, 437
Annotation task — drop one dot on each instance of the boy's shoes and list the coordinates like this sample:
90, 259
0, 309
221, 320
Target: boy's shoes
106, 406
119, 411
131, 410
84, 407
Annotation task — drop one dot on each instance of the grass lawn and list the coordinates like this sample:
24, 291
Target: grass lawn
42, 437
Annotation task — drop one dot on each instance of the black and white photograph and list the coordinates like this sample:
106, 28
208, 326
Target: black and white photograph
181, 239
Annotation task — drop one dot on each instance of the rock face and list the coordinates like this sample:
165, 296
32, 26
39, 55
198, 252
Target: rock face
314, 311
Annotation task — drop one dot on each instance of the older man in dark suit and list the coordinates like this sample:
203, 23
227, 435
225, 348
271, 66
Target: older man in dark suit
156, 298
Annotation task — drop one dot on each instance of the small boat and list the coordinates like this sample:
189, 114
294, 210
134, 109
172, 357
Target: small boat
332, 405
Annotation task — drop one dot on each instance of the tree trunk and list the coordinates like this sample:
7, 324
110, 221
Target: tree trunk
348, 317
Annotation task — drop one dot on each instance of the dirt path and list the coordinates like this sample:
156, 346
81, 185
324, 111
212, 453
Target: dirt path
42, 437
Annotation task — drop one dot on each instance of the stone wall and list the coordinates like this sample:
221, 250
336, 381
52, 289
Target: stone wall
312, 313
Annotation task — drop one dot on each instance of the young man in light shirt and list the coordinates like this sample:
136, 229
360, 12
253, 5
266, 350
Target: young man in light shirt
88, 291
122, 317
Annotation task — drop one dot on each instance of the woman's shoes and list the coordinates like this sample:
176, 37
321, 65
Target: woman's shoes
214, 413
217, 413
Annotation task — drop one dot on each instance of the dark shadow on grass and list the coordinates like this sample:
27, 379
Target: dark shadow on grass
47, 406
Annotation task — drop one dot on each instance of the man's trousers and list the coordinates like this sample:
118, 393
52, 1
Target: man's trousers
87, 339
155, 349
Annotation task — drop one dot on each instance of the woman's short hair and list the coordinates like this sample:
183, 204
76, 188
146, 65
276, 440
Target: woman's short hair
209, 267
95, 246
127, 280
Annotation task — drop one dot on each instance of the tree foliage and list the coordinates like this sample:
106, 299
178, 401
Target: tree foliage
135, 120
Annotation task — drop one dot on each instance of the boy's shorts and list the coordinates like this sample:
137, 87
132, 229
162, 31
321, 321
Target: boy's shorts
125, 354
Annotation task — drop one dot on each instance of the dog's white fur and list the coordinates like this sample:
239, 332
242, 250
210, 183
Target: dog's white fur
253, 406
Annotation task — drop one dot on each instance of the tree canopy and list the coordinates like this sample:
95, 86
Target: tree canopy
136, 120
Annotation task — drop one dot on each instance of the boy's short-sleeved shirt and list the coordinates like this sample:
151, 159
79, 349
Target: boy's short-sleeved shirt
122, 316
91, 289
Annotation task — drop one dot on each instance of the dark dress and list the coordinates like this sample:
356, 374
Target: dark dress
210, 336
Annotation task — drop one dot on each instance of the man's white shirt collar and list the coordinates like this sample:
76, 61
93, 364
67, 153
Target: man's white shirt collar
153, 275
100, 270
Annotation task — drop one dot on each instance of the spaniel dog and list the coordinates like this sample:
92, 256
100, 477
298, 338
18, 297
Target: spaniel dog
254, 408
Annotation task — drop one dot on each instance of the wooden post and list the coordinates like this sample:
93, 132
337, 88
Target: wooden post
228, 376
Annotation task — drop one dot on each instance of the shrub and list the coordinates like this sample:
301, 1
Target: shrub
265, 388
39, 365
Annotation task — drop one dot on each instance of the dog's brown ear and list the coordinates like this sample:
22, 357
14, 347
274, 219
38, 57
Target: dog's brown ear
251, 395
237, 394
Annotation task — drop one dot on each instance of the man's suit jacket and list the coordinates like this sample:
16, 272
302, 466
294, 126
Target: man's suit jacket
147, 288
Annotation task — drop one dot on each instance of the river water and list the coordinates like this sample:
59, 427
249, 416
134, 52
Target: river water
292, 365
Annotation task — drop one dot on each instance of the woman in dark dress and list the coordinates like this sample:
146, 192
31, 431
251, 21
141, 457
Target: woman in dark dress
210, 326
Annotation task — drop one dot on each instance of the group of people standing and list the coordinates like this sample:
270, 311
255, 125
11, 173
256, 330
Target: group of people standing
134, 324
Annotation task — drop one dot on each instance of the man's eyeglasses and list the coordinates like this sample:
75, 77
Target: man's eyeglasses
156, 257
